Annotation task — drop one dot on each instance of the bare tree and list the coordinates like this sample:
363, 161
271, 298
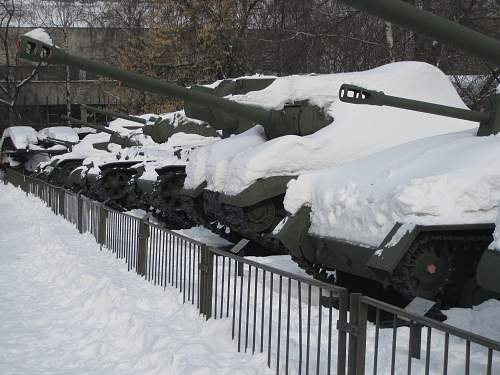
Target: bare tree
13, 77
63, 15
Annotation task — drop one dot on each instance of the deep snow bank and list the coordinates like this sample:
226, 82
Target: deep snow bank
356, 131
68, 308
447, 179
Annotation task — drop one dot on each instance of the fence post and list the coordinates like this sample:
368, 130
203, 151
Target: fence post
206, 269
357, 336
61, 197
79, 219
103, 218
342, 334
142, 256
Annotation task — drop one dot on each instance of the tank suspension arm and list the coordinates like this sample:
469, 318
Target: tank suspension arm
114, 114
35, 50
358, 95
432, 26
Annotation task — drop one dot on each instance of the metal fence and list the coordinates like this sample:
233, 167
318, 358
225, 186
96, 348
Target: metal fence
301, 325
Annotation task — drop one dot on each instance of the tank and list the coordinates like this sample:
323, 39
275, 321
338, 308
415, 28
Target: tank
22, 149
421, 251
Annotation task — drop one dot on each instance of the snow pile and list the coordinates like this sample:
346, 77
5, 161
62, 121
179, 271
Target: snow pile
62, 133
21, 136
41, 35
356, 131
446, 179
68, 308
179, 117
207, 163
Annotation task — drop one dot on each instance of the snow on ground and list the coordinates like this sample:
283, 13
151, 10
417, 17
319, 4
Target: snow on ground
356, 131
445, 179
69, 308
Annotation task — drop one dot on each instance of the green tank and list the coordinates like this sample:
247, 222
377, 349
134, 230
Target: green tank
450, 263
229, 116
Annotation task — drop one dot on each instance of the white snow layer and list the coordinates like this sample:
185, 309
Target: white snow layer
68, 308
41, 35
232, 165
446, 179
62, 133
21, 136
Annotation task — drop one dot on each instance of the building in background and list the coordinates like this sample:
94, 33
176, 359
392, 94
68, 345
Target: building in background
45, 98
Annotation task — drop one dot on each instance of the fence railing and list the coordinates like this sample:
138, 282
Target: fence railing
302, 325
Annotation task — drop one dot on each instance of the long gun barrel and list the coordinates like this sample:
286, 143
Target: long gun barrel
114, 114
275, 122
358, 95
489, 120
433, 26
115, 137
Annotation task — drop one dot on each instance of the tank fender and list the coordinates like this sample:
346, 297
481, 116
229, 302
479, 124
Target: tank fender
393, 247
487, 273
259, 191
295, 231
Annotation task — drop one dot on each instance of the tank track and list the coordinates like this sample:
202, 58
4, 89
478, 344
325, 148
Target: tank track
463, 256
459, 246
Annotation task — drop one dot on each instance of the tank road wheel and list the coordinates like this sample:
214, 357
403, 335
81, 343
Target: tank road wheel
425, 271
61, 175
261, 216
115, 184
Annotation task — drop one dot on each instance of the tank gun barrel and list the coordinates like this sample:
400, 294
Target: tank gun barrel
358, 95
99, 128
115, 136
432, 26
38, 51
115, 114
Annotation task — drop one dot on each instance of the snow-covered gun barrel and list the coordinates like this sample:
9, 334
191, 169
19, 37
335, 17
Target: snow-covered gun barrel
68, 144
489, 120
158, 128
115, 114
115, 136
297, 119
433, 26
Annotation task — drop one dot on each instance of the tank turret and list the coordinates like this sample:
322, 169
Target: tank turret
296, 119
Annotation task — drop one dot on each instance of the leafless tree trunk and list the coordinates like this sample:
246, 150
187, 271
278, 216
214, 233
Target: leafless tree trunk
12, 82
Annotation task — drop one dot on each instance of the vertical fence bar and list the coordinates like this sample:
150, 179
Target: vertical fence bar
142, 240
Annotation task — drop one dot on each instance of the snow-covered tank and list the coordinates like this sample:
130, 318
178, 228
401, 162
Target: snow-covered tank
244, 178
22, 147
418, 218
